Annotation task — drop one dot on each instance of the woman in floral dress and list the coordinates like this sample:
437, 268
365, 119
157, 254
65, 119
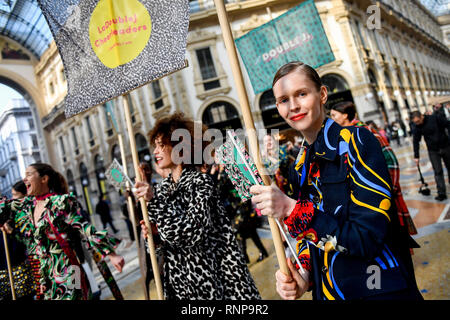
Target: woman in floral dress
48, 221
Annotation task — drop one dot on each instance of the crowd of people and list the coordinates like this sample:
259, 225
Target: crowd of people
335, 188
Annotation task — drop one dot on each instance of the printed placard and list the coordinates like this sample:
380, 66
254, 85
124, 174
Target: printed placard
116, 176
109, 48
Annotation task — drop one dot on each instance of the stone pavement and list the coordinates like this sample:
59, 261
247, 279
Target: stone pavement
431, 261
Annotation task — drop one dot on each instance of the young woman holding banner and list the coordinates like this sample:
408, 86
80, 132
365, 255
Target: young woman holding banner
48, 221
343, 219
24, 286
202, 259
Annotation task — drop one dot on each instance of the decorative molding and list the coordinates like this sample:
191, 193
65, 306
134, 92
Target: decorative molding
216, 98
200, 35
161, 113
253, 22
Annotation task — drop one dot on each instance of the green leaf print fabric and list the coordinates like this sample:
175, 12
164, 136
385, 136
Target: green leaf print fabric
65, 213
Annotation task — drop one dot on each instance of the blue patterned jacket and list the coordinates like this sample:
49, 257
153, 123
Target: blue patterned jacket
345, 222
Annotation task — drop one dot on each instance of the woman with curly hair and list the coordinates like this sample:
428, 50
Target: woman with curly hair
202, 259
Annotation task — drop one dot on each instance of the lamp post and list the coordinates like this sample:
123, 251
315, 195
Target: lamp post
85, 184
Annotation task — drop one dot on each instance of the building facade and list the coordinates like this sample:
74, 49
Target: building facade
390, 60
19, 145
444, 21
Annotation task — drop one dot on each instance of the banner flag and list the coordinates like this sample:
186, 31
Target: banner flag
239, 165
116, 176
110, 47
296, 35
110, 111
242, 171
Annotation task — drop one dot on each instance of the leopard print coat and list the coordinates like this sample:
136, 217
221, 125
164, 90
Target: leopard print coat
202, 259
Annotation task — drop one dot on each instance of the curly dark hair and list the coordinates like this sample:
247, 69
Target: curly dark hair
165, 129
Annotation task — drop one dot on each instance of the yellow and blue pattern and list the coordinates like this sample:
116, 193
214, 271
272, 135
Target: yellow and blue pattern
344, 174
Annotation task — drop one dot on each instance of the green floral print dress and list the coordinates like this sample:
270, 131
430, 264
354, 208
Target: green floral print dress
56, 272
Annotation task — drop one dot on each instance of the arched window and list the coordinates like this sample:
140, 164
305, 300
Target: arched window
374, 83
142, 148
269, 112
436, 83
221, 115
338, 89
409, 77
400, 81
98, 162
372, 78
115, 153
267, 101
387, 78
335, 83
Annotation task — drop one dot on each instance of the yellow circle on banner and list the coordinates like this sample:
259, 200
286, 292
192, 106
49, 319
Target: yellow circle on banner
119, 30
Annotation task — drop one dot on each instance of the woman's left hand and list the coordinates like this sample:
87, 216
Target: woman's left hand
6, 228
271, 201
117, 261
143, 190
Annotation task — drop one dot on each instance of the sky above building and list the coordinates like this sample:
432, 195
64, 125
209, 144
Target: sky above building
6, 94
437, 7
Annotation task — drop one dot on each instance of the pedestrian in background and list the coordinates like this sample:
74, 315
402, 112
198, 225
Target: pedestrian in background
126, 214
247, 222
434, 129
25, 285
103, 210
344, 113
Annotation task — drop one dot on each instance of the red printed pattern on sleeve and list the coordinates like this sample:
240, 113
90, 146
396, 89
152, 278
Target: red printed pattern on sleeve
300, 218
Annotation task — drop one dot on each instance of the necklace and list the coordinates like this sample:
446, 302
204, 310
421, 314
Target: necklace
38, 201
44, 196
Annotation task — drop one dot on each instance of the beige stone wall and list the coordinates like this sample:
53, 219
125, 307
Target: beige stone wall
417, 65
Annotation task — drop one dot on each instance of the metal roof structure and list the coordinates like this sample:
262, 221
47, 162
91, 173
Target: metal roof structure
437, 7
23, 21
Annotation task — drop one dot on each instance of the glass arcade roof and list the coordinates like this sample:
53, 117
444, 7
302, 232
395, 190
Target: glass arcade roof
23, 21
437, 7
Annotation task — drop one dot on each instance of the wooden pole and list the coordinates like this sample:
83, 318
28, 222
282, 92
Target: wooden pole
132, 216
249, 123
151, 244
8, 262
130, 206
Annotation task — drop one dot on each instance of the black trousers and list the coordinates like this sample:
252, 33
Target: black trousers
253, 234
436, 158
105, 224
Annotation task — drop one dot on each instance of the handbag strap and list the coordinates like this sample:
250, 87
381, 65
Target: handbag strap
72, 257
